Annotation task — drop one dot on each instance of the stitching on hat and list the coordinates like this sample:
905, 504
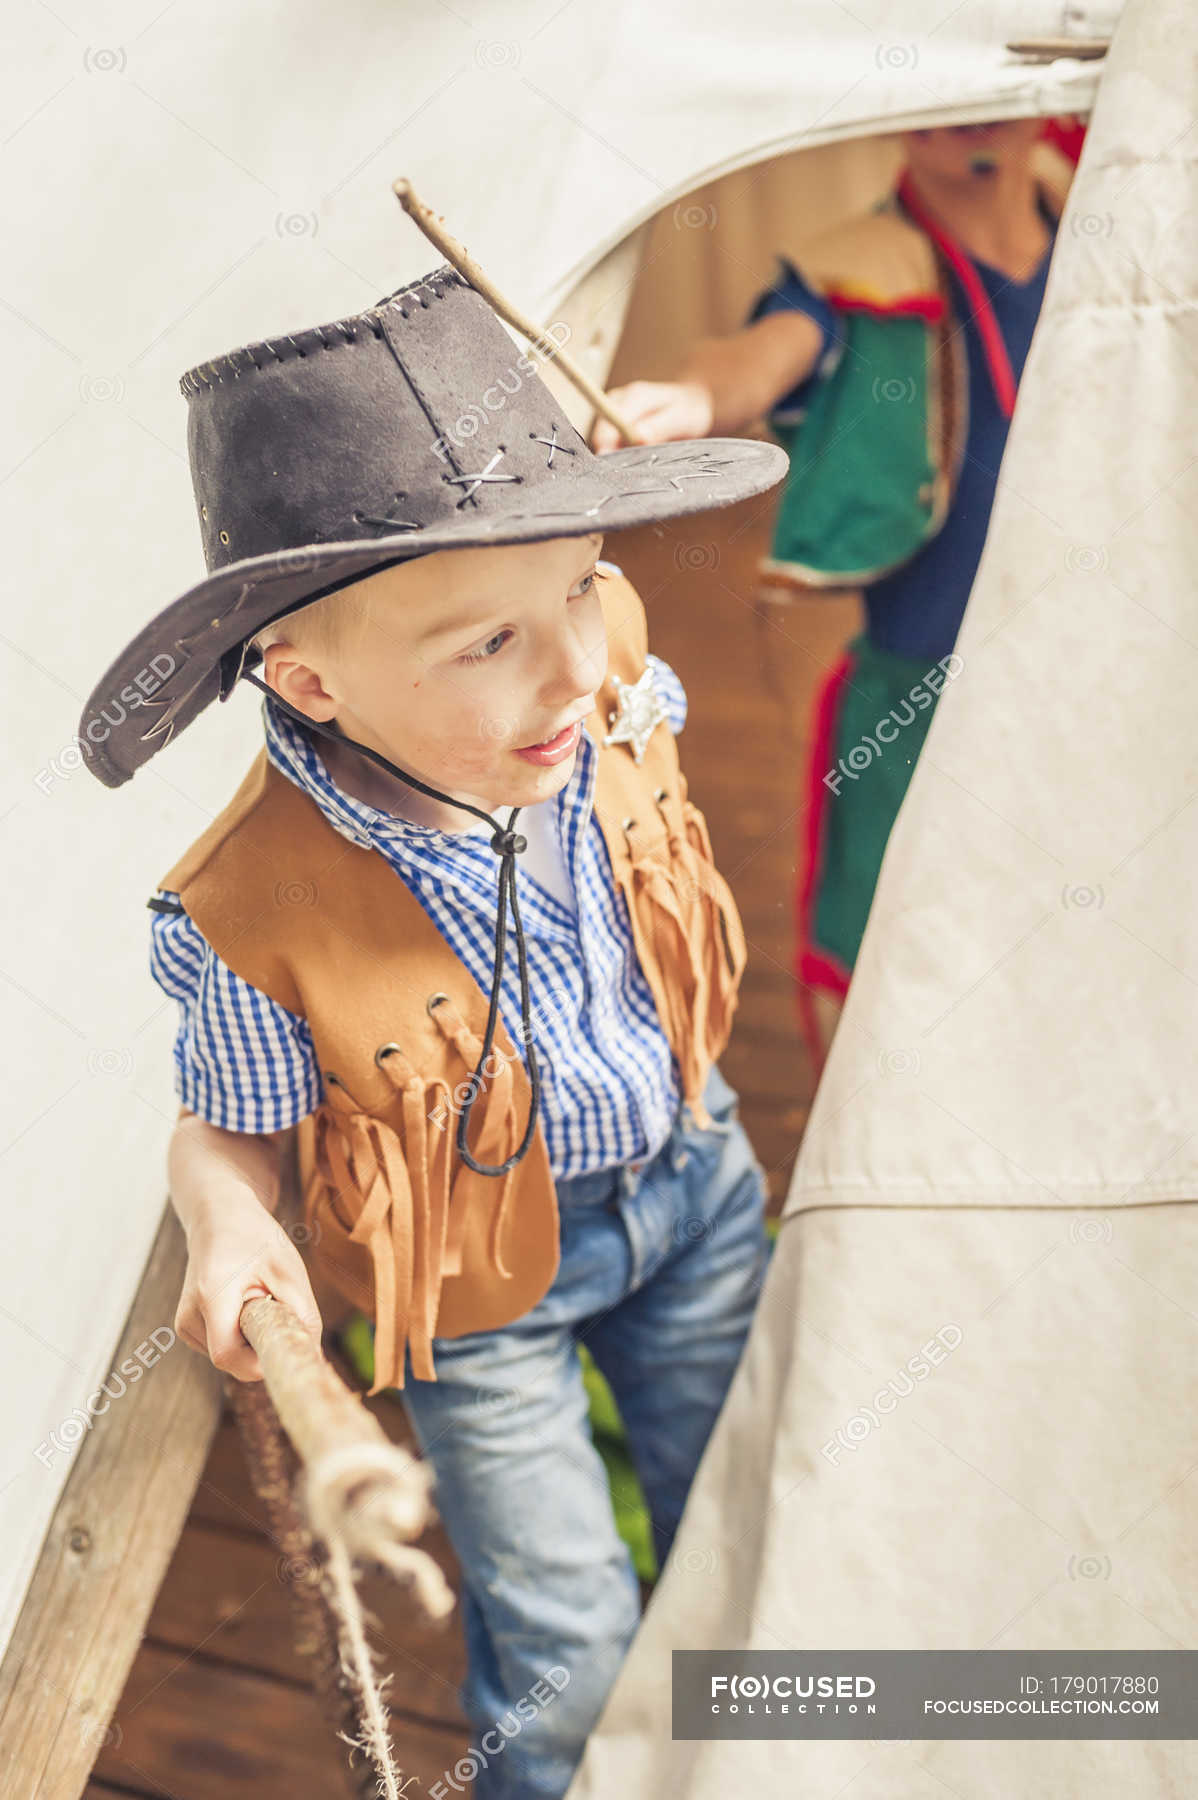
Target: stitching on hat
206, 375
448, 277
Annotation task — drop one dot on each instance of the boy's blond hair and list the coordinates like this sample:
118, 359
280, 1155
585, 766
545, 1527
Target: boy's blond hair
325, 626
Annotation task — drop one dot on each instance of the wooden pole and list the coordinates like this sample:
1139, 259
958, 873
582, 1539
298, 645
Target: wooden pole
360, 1489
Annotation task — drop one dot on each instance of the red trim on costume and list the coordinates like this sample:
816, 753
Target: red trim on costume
912, 306
1067, 134
815, 968
998, 362
825, 713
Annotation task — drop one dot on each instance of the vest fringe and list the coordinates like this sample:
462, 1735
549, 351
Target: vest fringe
412, 1223
690, 917
657, 900
358, 1154
722, 933
498, 1131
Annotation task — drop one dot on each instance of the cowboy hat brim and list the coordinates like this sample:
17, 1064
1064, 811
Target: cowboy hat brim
171, 671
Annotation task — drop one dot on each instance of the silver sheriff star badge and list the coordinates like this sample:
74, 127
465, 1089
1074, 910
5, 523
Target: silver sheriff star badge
641, 709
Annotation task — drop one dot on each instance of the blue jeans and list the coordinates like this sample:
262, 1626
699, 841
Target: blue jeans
661, 1265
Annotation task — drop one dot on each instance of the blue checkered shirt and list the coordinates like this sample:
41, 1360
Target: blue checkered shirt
610, 1086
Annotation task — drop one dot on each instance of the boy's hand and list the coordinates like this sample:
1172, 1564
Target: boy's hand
658, 411
232, 1257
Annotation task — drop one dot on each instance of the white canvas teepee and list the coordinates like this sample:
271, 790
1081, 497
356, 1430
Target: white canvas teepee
179, 191
1005, 1140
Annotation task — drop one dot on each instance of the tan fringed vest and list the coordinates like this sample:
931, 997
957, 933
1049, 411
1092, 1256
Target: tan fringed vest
395, 1219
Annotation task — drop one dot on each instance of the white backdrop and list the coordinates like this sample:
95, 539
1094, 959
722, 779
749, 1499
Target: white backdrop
178, 182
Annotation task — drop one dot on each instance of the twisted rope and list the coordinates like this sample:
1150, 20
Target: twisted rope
354, 1497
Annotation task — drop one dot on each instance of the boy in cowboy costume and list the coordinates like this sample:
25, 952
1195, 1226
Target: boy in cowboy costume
887, 362
499, 1156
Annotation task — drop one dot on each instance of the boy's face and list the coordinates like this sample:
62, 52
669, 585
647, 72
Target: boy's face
458, 665
951, 151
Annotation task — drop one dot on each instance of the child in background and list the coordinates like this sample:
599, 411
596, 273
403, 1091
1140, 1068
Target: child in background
887, 363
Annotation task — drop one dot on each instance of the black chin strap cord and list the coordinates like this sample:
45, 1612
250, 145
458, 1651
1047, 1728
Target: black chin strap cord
507, 844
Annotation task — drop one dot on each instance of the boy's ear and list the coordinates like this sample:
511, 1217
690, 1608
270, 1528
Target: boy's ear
310, 693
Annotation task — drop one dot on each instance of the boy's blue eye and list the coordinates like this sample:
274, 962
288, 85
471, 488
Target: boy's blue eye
486, 652
484, 655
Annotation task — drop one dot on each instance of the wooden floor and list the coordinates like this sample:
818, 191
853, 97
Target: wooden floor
217, 1702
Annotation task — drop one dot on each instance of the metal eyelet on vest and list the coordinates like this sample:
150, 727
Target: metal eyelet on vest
627, 824
332, 1079
434, 1000
386, 1050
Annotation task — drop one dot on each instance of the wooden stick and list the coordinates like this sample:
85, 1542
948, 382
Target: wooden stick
433, 227
360, 1489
